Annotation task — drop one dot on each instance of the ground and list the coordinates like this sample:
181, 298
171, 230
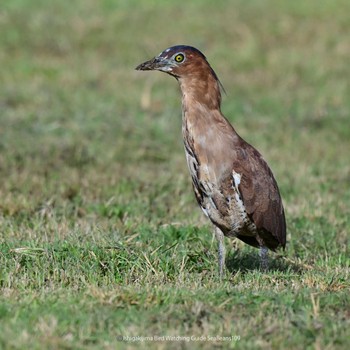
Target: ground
100, 235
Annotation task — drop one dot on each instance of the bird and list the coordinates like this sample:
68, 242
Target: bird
233, 184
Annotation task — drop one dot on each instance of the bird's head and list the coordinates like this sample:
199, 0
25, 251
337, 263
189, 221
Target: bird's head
177, 61
191, 68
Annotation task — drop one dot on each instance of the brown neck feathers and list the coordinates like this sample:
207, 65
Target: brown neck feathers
201, 86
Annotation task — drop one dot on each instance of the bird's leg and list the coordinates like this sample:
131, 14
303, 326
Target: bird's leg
221, 250
264, 258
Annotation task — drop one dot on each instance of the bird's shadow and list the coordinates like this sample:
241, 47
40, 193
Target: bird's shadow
244, 262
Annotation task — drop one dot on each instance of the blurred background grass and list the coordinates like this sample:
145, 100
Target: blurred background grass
91, 151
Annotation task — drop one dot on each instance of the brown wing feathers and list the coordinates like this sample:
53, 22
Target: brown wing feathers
261, 196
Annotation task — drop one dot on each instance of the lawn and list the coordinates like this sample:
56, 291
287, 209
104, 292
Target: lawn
102, 245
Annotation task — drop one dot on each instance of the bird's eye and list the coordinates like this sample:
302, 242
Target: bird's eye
179, 58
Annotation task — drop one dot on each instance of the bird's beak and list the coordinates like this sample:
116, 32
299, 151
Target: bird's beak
155, 63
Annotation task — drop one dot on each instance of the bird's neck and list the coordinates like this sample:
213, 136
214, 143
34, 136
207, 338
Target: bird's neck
208, 136
202, 119
201, 100
200, 90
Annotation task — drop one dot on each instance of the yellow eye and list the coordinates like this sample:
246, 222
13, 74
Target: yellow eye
179, 58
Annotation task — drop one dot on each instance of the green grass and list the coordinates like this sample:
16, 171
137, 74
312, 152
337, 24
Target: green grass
100, 235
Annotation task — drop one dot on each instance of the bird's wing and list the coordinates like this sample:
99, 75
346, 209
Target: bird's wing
260, 193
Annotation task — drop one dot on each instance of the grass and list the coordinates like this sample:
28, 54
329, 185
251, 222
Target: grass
100, 235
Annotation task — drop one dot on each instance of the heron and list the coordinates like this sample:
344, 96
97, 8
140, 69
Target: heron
233, 184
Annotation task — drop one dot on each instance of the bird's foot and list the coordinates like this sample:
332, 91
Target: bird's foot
221, 264
221, 251
264, 258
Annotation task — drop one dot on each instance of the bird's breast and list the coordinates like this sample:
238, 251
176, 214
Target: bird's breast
209, 146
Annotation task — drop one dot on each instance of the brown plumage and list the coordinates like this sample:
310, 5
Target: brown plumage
233, 184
